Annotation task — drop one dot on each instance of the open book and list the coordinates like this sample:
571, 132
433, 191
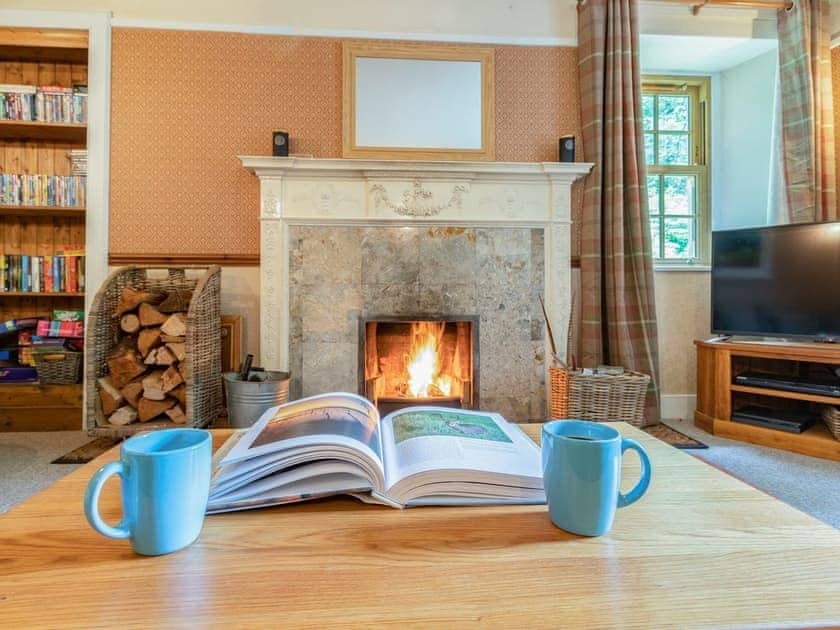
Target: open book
337, 444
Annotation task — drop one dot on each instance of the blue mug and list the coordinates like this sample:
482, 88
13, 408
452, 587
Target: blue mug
165, 481
581, 463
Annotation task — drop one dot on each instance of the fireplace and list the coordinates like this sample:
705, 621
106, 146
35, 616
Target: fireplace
342, 240
419, 360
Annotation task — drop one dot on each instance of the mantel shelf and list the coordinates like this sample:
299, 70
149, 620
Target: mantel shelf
265, 166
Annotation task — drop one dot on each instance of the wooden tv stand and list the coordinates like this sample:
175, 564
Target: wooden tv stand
718, 362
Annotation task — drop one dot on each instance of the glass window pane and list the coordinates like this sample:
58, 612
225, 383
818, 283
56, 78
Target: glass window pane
673, 148
679, 197
650, 156
679, 238
654, 237
653, 194
673, 113
648, 105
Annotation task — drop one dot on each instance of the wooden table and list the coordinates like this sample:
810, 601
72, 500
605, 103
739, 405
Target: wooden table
701, 549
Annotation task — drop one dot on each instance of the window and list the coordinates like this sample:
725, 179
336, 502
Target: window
675, 123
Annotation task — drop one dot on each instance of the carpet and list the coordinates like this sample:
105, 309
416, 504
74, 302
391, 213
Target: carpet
673, 437
87, 452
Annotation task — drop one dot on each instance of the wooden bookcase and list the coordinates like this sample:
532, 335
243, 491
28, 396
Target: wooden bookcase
718, 362
40, 57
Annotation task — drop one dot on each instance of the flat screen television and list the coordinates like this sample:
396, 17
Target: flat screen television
780, 281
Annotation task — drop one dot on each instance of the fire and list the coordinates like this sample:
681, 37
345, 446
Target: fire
423, 365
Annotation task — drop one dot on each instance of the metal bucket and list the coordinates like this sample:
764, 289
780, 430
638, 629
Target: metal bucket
248, 400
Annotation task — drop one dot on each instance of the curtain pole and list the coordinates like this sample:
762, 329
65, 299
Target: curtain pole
696, 5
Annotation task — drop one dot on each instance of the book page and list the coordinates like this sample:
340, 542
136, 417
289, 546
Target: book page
426, 439
335, 419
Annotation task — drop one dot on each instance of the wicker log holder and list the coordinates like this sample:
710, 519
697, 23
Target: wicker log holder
203, 368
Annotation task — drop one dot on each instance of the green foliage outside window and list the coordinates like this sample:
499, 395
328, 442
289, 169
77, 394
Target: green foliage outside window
672, 196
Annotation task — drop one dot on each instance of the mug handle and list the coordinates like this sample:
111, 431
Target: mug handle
636, 493
92, 501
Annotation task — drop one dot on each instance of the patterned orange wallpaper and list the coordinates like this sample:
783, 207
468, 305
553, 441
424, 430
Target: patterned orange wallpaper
184, 104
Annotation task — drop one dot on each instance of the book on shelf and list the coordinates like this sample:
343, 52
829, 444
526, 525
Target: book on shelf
78, 161
46, 103
337, 444
66, 191
61, 273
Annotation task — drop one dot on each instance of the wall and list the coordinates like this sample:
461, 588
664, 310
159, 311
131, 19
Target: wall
683, 312
484, 20
186, 103
744, 104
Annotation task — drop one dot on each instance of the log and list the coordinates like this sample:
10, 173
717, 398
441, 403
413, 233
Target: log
132, 298
153, 386
182, 370
124, 368
173, 339
151, 358
176, 325
170, 380
122, 416
150, 316
176, 300
180, 394
127, 342
132, 393
147, 339
109, 396
177, 415
178, 350
130, 323
164, 357
150, 409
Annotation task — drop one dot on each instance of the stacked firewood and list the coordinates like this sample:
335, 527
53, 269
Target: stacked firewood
146, 370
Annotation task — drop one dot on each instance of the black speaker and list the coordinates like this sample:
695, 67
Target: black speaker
567, 148
280, 146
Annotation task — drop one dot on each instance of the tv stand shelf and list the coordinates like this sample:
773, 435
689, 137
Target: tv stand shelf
718, 362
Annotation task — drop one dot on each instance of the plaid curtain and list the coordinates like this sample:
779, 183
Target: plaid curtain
807, 111
618, 314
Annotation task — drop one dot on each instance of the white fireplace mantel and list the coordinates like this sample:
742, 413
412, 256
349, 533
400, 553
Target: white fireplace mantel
310, 191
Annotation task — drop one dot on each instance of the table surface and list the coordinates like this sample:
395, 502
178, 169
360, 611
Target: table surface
700, 549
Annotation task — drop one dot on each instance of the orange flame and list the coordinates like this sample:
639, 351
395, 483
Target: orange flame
423, 363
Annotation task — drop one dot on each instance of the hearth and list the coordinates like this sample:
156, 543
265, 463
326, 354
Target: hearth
419, 360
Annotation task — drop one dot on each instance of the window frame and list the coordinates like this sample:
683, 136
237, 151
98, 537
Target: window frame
698, 89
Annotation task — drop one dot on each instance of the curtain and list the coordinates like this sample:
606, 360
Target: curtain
618, 313
807, 115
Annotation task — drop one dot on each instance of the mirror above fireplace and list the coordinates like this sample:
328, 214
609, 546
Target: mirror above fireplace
418, 101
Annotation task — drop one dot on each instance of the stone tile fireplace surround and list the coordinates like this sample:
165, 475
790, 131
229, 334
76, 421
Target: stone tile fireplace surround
348, 239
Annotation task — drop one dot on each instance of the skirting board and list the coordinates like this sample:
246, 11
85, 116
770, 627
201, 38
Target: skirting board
675, 406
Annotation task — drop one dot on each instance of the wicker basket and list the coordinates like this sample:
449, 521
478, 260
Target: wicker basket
831, 417
203, 373
598, 397
58, 366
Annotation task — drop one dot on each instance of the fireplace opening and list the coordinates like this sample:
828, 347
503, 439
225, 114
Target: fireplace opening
419, 360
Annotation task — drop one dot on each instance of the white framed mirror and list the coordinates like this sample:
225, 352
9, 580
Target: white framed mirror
418, 101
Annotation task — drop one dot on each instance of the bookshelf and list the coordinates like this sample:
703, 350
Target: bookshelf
39, 57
